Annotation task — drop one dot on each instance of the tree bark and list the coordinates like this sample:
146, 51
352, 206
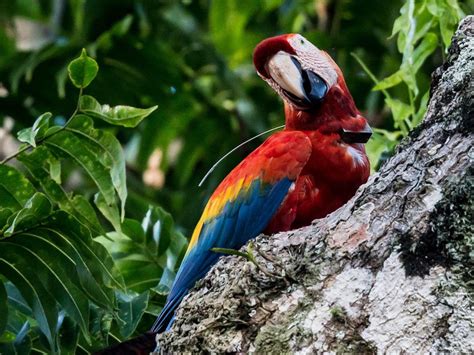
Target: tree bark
391, 271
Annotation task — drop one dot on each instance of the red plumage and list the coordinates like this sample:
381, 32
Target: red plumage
305, 172
335, 169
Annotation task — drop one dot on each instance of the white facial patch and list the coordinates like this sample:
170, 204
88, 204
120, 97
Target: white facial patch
357, 156
312, 58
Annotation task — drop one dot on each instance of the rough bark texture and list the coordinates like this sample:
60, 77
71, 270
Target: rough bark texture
391, 271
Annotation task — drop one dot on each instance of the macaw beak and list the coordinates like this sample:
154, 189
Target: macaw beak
302, 86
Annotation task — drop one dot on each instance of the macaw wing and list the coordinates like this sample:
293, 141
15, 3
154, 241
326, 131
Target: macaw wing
239, 209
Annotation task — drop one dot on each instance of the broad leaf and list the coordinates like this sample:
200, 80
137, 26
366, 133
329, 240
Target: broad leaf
39, 163
15, 189
143, 252
82, 70
35, 294
390, 81
55, 169
92, 262
18, 342
424, 49
131, 309
45, 259
97, 155
91, 255
16, 300
126, 116
377, 146
422, 108
5, 213
83, 125
36, 209
400, 110
68, 336
109, 211
29, 135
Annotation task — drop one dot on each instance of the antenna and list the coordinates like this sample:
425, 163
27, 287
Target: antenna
233, 150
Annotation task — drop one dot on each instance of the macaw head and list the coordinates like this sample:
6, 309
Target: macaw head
309, 81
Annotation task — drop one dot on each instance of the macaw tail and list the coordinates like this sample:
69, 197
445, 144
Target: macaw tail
166, 317
141, 345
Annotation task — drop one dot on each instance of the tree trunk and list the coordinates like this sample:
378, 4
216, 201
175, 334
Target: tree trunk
391, 271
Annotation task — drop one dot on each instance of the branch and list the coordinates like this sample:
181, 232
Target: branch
388, 272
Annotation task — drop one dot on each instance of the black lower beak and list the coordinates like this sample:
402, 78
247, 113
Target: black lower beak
314, 87
356, 136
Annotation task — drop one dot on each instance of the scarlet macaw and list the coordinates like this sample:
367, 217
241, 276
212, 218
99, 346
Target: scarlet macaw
304, 172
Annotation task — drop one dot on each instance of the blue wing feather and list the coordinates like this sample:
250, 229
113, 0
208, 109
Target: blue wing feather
240, 220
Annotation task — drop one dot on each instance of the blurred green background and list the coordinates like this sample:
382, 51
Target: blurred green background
193, 58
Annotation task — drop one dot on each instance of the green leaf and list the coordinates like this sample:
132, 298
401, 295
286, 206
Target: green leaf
143, 252
424, 49
111, 146
126, 116
39, 300
131, 309
401, 25
62, 256
68, 336
409, 77
19, 343
434, 8
38, 162
93, 262
88, 152
425, 21
36, 209
55, 169
7, 336
5, 213
422, 109
389, 81
408, 33
30, 250
28, 135
101, 323
82, 70
110, 211
400, 111
107, 150
15, 189
17, 302
3, 308
446, 28
378, 145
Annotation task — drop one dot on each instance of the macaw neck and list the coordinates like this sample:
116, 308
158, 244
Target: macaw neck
338, 109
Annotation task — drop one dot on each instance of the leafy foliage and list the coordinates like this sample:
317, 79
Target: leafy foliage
55, 279
422, 27
82, 70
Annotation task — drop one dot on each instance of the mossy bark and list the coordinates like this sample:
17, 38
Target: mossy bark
391, 271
